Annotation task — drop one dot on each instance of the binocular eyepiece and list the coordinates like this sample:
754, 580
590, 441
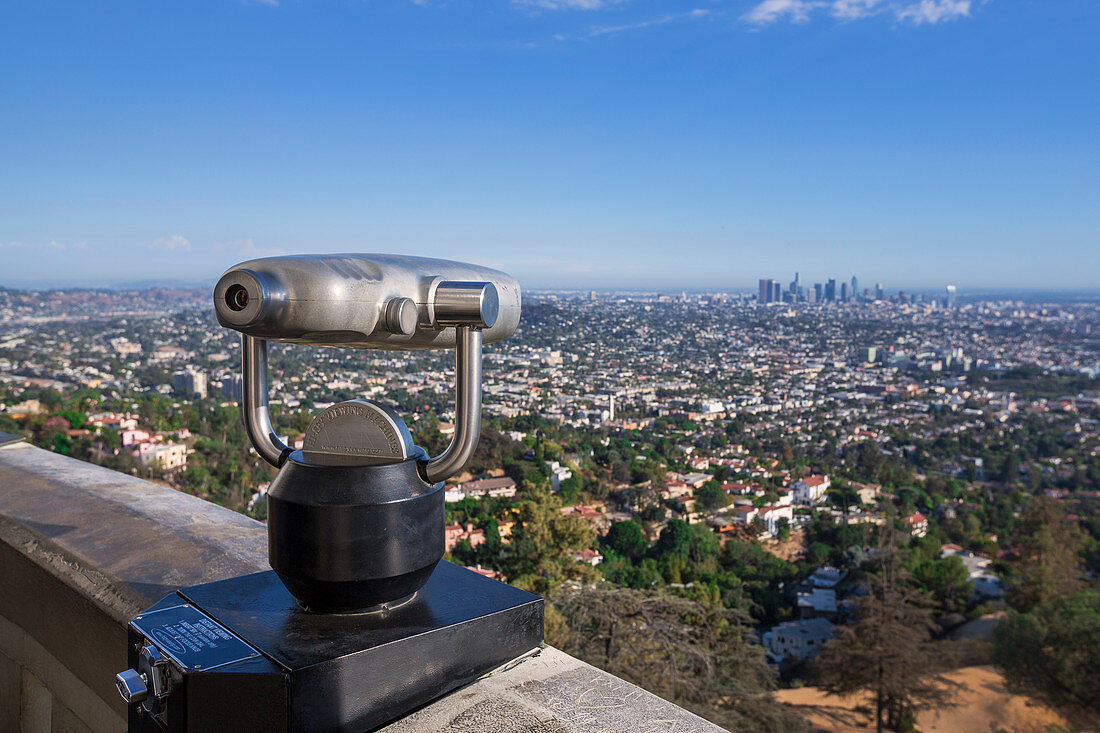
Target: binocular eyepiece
366, 301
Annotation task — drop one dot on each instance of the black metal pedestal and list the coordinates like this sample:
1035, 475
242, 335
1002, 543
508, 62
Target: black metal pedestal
297, 671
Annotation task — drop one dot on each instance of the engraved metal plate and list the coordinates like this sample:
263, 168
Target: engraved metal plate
357, 433
192, 639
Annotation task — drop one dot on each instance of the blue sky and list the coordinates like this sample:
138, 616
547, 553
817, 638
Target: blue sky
585, 143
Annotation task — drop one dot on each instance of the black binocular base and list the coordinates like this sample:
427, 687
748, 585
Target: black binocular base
241, 655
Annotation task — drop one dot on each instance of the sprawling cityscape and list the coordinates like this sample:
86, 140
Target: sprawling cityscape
755, 455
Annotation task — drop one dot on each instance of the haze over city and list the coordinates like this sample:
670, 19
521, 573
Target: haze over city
573, 143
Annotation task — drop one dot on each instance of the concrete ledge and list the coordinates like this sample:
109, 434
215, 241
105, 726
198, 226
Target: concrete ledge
549, 691
83, 549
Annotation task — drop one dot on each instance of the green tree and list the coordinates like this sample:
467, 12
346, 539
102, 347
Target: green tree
76, 418
947, 581
627, 539
541, 553
1048, 564
1054, 650
888, 652
710, 497
693, 542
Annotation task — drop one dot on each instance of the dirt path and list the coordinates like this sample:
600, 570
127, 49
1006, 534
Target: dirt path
791, 548
984, 706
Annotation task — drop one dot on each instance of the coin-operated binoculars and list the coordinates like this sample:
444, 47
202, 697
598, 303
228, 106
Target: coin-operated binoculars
355, 519
359, 621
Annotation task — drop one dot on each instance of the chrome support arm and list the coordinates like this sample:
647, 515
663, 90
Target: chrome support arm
467, 408
257, 420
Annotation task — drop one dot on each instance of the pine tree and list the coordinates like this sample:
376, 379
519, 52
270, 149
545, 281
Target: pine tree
1047, 544
889, 651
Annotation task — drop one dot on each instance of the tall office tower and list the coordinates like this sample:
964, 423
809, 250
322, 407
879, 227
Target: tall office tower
950, 303
189, 384
765, 291
611, 407
844, 292
879, 292
866, 294
233, 387
777, 295
817, 293
855, 288
797, 284
830, 290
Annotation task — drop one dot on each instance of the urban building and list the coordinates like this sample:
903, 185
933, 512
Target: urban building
190, 383
810, 490
797, 639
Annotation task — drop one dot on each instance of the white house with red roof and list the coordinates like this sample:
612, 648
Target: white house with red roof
745, 513
589, 557
810, 490
772, 514
916, 523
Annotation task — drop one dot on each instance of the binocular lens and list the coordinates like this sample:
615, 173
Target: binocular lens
236, 297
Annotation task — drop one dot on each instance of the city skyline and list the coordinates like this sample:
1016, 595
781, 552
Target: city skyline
572, 143
770, 290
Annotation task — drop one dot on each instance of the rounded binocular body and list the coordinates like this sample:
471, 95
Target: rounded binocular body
366, 301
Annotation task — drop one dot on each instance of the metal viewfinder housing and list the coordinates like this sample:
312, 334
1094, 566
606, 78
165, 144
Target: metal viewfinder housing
368, 301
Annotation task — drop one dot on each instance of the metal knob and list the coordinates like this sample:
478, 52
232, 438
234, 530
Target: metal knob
475, 304
401, 316
132, 686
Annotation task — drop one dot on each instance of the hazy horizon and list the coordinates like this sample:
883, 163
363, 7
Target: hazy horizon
963, 292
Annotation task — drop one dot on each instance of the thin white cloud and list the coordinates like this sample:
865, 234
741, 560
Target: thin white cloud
566, 4
770, 11
853, 9
917, 12
604, 30
930, 12
170, 243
